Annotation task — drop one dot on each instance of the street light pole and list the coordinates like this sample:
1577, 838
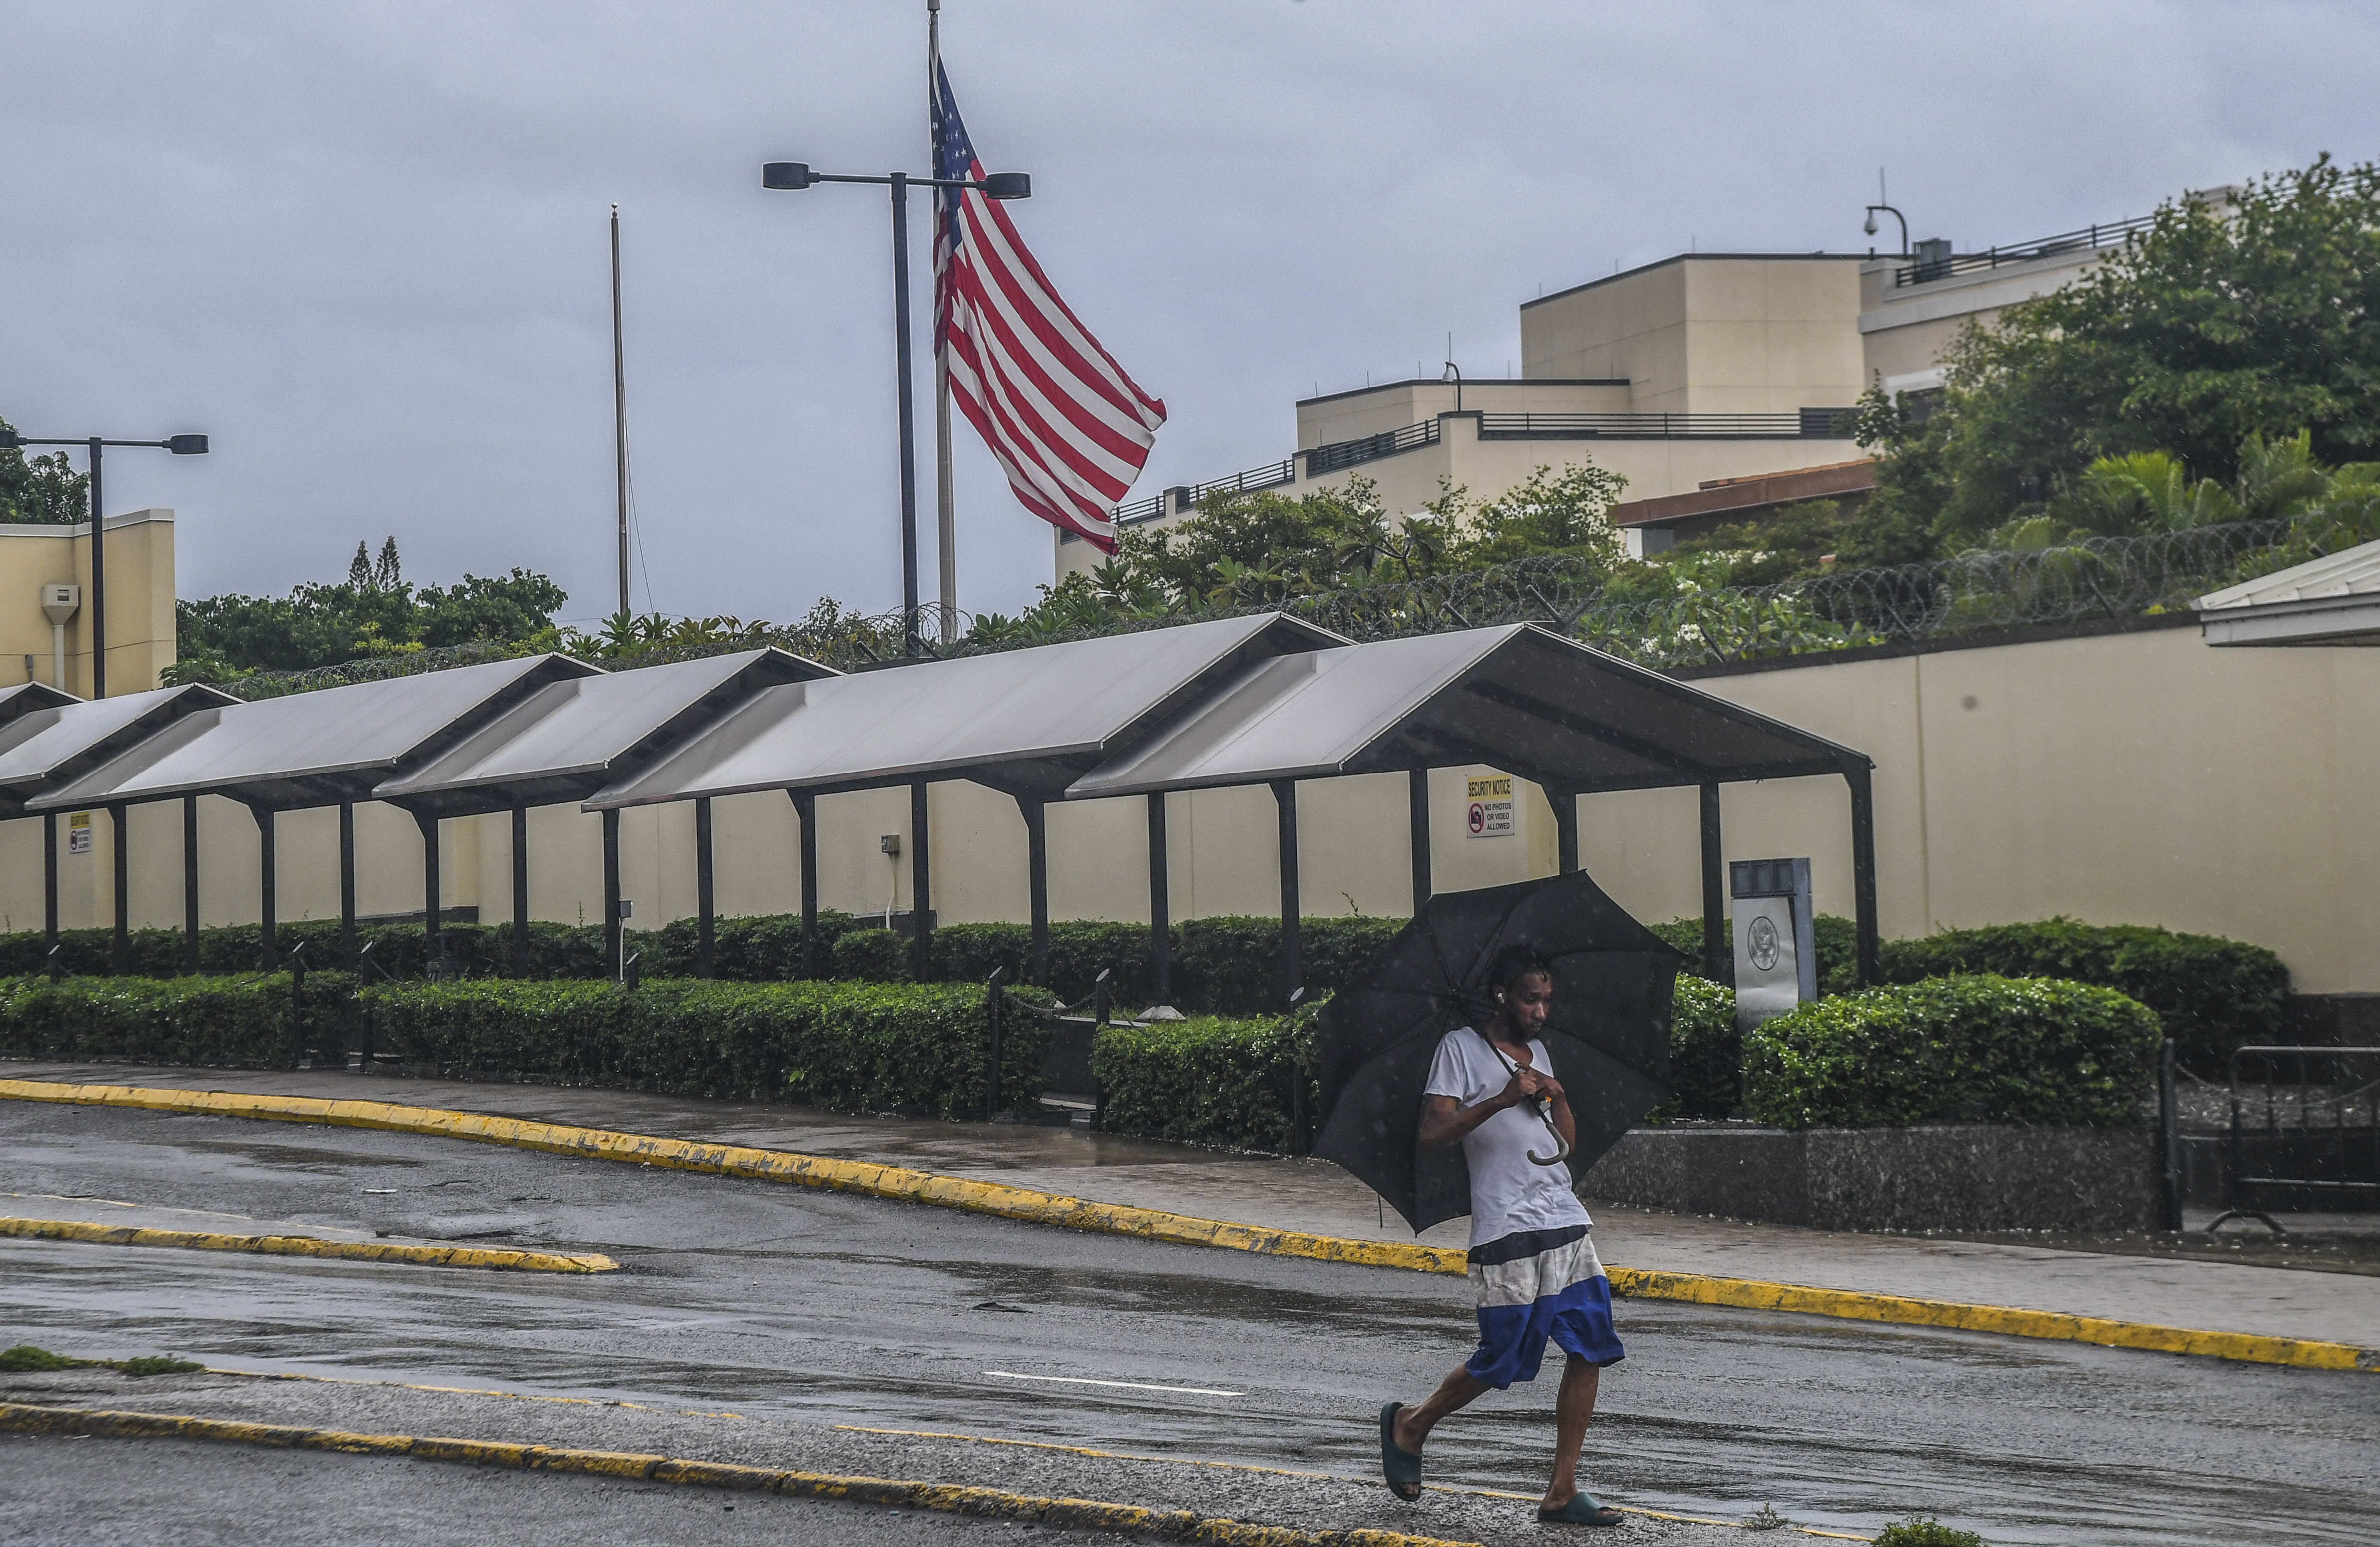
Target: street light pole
796, 175
180, 445
900, 181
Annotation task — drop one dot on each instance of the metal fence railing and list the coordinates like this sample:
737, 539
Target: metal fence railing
2304, 1135
1798, 424
2112, 235
2103, 577
1369, 448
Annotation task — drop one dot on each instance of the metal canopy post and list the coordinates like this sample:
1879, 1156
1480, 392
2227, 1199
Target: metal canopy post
432, 947
921, 881
1715, 952
1160, 904
1418, 816
707, 937
348, 955
1037, 871
123, 884
190, 885
612, 956
520, 890
268, 946
1863, 868
1566, 805
49, 887
806, 811
1292, 962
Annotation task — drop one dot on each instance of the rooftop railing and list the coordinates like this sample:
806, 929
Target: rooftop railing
2086, 240
1339, 455
1799, 424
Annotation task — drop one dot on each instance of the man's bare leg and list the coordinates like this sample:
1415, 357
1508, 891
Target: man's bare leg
1458, 1390
1573, 1408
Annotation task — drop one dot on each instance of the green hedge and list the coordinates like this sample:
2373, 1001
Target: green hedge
246, 1021
1972, 1049
1208, 1079
920, 1049
1225, 966
759, 948
1706, 1052
2211, 994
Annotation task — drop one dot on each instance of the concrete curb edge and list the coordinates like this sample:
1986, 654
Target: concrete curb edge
308, 1245
950, 1498
1074, 1213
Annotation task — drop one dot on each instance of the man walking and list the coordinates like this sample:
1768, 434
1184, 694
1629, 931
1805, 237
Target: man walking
1533, 1264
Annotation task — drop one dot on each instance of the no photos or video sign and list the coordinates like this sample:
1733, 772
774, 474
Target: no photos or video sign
1489, 813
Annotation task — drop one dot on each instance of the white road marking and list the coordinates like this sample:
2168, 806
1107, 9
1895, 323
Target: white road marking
1129, 1385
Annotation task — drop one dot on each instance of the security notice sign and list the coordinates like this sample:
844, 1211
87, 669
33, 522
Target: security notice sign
78, 833
1489, 813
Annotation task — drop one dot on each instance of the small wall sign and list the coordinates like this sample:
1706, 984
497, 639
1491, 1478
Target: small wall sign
78, 833
1490, 811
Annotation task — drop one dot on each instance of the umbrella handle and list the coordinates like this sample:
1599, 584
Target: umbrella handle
1562, 1147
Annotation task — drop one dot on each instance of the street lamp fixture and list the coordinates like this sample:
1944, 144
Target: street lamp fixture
1870, 226
795, 176
180, 445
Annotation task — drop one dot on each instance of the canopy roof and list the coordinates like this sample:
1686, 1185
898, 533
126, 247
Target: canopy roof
2333, 600
1028, 721
568, 738
313, 748
1518, 697
46, 744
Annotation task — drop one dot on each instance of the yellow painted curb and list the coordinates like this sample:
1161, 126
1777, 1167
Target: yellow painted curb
1074, 1213
307, 1246
1078, 1513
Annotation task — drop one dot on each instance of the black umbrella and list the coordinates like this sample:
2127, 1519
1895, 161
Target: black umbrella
1608, 1034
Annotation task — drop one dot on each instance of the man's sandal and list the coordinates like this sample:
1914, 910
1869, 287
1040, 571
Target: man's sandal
1582, 1510
1401, 1468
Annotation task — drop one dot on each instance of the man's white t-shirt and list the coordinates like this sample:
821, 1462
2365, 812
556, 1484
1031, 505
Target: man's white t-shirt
1508, 1192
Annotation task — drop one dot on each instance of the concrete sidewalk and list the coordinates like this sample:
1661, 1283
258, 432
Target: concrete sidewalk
1317, 1197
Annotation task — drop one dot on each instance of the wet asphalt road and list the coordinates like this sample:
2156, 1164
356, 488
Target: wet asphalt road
187, 1493
831, 1308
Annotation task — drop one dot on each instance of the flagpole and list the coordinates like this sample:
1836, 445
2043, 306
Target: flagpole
619, 413
945, 517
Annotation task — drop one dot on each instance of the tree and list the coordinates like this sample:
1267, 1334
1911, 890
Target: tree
41, 490
2222, 326
375, 611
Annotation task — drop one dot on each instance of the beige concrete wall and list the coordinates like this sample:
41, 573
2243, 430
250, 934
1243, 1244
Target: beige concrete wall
1409, 480
1710, 335
140, 601
1904, 328
1349, 416
2139, 778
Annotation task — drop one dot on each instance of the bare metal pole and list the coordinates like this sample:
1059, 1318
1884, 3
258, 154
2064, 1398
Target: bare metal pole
945, 500
619, 412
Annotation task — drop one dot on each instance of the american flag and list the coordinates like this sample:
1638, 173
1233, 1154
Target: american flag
1070, 429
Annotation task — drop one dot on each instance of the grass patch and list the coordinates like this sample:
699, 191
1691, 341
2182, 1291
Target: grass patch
1923, 1530
25, 1357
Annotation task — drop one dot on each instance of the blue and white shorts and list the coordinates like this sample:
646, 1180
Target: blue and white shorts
1536, 1285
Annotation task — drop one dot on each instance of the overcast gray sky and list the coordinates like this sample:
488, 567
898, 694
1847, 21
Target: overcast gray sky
363, 244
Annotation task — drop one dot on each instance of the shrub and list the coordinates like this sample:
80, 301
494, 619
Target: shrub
1923, 1530
1230, 965
1706, 1052
1079, 949
2211, 994
1208, 1079
247, 1021
855, 1047
1975, 1049
873, 956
